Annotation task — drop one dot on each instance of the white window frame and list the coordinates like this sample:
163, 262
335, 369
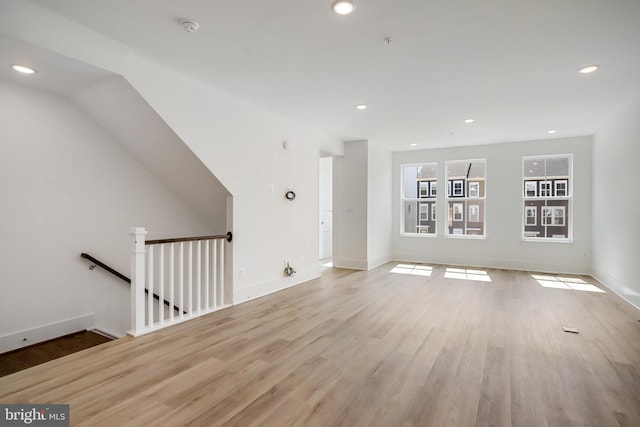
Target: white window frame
420, 230
545, 186
533, 209
433, 212
562, 214
433, 192
474, 189
457, 192
529, 186
460, 210
424, 211
566, 187
460, 185
555, 216
423, 185
476, 215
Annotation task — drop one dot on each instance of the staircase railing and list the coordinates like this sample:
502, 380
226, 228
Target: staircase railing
188, 272
97, 262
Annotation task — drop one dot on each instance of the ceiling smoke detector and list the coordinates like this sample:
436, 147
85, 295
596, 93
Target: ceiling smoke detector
190, 26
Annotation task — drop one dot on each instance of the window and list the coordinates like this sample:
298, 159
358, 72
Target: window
530, 188
552, 176
424, 211
457, 211
458, 188
545, 189
466, 197
531, 215
474, 213
434, 186
424, 188
561, 188
474, 189
419, 183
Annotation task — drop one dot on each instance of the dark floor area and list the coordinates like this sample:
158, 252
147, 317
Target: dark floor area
36, 354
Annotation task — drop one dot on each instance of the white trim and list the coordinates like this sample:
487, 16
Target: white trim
566, 187
534, 209
454, 189
476, 186
27, 337
422, 211
469, 214
527, 189
423, 185
270, 286
545, 187
461, 211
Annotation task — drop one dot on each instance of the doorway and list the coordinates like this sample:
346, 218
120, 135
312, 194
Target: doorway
325, 250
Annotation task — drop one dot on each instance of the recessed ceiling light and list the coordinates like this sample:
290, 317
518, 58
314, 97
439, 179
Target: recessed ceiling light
588, 69
414, 145
469, 121
343, 7
552, 131
22, 69
361, 107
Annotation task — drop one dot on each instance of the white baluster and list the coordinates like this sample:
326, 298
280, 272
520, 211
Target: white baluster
214, 272
190, 279
207, 303
161, 285
221, 285
137, 279
181, 280
150, 268
171, 281
199, 275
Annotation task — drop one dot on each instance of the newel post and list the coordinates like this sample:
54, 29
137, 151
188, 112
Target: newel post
137, 279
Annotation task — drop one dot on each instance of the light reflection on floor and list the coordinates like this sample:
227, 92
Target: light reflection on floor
560, 282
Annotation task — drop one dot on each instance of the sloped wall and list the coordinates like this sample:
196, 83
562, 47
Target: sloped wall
69, 187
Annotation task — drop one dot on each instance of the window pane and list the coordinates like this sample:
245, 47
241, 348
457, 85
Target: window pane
466, 190
419, 186
546, 179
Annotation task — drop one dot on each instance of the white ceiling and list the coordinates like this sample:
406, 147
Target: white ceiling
62, 75
509, 64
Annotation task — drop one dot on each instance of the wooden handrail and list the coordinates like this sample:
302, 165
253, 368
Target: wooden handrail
228, 237
125, 278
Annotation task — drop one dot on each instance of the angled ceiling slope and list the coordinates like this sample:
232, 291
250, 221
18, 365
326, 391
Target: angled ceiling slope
111, 102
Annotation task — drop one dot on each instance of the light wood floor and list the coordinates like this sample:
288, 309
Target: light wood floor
366, 348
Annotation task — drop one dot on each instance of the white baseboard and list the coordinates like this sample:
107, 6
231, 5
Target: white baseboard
275, 285
612, 284
27, 337
506, 264
353, 264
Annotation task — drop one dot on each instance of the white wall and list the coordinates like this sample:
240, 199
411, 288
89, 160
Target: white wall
241, 143
616, 205
68, 187
379, 205
503, 246
350, 209
325, 197
362, 206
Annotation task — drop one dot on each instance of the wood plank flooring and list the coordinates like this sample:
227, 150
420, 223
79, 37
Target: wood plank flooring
37, 354
373, 348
